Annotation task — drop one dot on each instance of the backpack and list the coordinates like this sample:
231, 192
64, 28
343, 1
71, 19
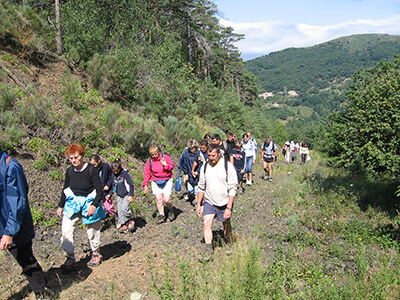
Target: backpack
264, 147
284, 151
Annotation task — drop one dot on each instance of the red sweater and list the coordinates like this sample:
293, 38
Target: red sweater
158, 171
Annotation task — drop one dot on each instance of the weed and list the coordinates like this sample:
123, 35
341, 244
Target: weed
37, 216
56, 175
40, 165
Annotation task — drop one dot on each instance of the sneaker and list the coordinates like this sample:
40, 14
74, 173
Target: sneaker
186, 198
95, 260
228, 249
242, 190
270, 178
69, 263
123, 229
161, 219
131, 225
171, 215
249, 182
207, 255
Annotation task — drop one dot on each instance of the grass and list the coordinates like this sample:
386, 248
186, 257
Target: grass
333, 241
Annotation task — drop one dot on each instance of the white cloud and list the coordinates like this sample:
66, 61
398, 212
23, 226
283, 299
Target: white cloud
264, 37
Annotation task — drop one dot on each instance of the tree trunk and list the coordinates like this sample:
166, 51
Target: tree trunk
58, 28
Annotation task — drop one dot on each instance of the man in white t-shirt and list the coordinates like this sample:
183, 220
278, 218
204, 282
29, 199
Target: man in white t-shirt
218, 185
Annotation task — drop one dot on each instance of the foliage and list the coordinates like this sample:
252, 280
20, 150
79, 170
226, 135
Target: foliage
322, 64
70, 90
46, 151
365, 136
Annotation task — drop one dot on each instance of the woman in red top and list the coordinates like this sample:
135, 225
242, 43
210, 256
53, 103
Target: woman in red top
158, 169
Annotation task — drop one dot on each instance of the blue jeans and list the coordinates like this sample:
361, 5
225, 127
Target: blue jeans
249, 164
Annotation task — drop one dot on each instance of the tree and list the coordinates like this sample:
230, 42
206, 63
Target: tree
365, 137
58, 27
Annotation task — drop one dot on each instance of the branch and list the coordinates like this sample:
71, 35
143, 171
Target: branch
12, 76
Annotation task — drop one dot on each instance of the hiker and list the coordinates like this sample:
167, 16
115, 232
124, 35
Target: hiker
80, 197
16, 225
180, 169
201, 158
304, 152
255, 146
239, 162
249, 147
218, 185
158, 169
230, 142
286, 152
294, 149
223, 147
123, 187
105, 174
268, 153
186, 166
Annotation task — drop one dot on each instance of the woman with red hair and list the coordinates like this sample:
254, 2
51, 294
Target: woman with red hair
80, 197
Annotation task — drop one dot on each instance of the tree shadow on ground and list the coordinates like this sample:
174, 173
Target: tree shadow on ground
375, 194
60, 279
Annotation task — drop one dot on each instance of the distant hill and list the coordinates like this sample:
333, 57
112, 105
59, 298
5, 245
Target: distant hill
304, 69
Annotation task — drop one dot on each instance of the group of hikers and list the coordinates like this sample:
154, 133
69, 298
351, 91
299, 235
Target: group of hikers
212, 171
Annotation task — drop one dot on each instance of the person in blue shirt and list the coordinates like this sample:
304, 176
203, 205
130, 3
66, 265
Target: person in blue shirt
16, 225
186, 166
123, 186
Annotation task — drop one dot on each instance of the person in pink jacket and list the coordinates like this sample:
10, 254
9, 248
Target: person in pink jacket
158, 169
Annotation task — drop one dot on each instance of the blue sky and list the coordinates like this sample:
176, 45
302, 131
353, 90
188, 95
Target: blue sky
273, 25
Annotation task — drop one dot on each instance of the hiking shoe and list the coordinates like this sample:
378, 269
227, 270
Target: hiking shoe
207, 255
270, 178
161, 219
171, 215
123, 229
242, 190
69, 263
95, 260
131, 225
228, 249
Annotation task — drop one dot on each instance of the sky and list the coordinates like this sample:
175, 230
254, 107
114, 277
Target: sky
273, 25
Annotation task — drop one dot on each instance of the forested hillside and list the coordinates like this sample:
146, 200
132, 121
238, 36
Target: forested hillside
320, 75
155, 72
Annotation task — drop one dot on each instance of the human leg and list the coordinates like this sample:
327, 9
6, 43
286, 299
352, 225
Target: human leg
227, 229
208, 235
124, 212
93, 233
67, 234
30, 267
160, 204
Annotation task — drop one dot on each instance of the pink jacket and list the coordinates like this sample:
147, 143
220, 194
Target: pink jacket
158, 171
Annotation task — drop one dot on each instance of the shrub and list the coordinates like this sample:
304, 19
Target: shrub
46, 151
35, 110
40, 165
7, 97
70, 91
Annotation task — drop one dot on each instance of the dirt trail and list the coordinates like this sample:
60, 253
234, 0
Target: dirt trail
125, 268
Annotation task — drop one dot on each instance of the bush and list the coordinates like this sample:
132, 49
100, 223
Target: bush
70, 90
35, 110
47, 153
7, 97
